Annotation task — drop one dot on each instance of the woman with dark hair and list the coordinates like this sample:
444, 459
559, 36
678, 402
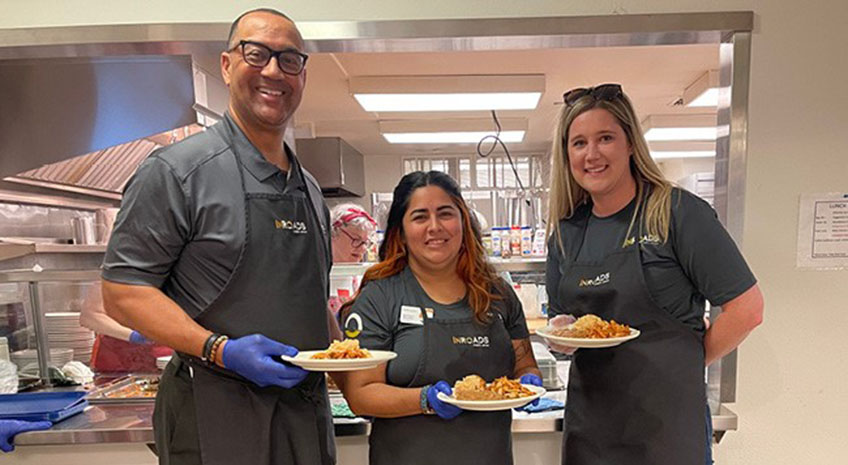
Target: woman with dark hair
627, 245
434, 300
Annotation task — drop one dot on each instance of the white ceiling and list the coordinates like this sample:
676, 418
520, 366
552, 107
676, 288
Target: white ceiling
653, 77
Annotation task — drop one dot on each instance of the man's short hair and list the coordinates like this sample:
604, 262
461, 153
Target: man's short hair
234, 26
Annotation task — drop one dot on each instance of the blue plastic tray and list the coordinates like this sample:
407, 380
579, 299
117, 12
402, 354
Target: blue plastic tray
36, 406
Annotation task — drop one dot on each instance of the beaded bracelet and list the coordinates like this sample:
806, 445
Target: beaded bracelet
215, 346
424, 403
207, 346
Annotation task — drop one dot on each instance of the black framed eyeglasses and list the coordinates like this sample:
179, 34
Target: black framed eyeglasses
258, 55
608, 92
355, 242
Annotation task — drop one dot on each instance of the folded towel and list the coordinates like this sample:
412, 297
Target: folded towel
341, 410
545, 404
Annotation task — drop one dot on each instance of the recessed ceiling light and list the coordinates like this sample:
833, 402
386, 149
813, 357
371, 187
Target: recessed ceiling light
662, 155
456, 137
449, 102
665, 134
447, 93
683, 127
708, 98
703, 92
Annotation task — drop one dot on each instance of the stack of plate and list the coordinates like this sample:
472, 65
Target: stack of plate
58, 357
64, 332
161, 362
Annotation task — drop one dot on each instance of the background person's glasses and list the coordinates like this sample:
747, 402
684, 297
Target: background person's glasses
355, 242
608, 92
258, 55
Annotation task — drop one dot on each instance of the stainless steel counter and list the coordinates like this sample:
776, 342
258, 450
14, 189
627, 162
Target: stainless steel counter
123, 423
114, 423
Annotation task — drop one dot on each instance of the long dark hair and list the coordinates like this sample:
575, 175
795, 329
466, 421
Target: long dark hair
478, 275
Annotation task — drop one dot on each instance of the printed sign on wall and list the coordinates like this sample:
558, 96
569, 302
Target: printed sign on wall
823, 231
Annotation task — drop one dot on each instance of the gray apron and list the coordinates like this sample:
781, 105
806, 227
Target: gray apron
278, 289
472, 437
641, 402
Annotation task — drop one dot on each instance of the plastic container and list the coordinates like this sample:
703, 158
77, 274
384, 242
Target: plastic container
526, 241
539, 243
487, 243
506, 248
373, 254
497, 242
515, 241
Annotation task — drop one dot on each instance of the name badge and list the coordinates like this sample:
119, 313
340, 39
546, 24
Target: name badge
429, 312
411, 315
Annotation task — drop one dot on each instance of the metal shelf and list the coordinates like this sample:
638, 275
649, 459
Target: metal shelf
30, 276
522, 265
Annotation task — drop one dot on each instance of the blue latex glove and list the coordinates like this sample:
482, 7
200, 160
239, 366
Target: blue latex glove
9, 428
530, 378
256, 357
138, 338
443, 410
545, 404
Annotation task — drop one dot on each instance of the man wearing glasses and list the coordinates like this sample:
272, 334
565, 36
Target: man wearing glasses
221, 251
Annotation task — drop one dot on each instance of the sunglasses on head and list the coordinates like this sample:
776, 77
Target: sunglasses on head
608, 92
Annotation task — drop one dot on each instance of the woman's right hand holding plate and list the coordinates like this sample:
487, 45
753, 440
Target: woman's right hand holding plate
561, 321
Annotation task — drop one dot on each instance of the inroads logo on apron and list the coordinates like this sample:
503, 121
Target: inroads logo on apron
602, 278
297, 227
646, 239
480, 342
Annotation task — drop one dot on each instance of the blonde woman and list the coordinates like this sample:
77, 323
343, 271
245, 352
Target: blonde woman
627, 245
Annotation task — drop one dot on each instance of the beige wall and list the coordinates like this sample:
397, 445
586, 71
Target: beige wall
677, 168
793, 393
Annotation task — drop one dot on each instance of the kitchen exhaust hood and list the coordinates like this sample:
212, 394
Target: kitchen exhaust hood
336, 165
82, 125
54, 109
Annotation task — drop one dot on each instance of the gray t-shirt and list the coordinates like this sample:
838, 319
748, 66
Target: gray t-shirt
699, 261
182, 220
376, 314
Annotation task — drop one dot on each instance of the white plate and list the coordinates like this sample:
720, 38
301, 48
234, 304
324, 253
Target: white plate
161, 362
74, 316
586, 343
491, 405
304, 361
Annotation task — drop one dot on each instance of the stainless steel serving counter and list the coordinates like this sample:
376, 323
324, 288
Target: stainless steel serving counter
132, 423
116, 423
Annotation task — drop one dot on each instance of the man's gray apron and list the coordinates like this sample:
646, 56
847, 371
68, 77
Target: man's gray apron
641, 402
452, 349
278, 288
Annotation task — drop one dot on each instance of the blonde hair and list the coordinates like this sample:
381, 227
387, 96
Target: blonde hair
652, 189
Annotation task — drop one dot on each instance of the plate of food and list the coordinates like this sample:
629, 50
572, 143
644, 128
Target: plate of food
589, 332
473, 393
340, 356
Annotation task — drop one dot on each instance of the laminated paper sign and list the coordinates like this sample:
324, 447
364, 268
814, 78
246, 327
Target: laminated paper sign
823, 231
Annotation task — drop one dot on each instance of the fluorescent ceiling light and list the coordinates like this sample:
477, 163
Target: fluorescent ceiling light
449, 102
684, 127
703, 92
455, 137
450, 130
665, 134
708, 98
662, 155
447, 93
